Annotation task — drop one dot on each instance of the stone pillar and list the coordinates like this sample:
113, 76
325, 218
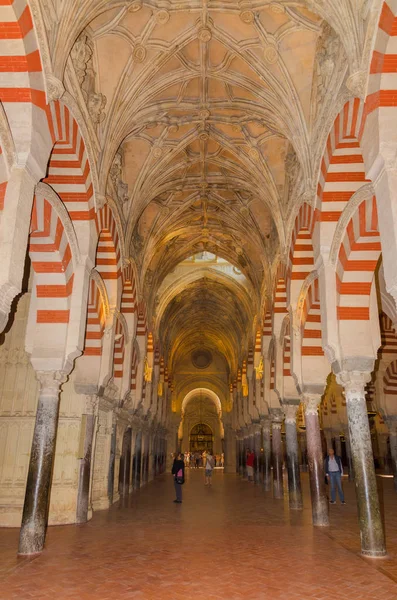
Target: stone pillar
125, 463
230, 450
137, 460
257, 450
37, 495
349, 458
370, 520
291, 437
267, 455
315, 460
277, 456
391, 423
84, 510
133, 442
112, 460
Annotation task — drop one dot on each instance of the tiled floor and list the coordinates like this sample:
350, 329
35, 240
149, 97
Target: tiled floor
232, 541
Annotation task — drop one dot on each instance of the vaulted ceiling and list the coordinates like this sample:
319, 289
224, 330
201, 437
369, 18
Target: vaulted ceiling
207, 114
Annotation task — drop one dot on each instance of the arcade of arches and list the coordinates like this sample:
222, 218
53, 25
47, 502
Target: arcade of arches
198, 236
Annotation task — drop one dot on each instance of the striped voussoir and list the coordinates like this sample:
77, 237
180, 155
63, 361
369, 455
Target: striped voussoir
108, 254
141, 325
128, 298
301, 256
134, 367
358, 256
51, 256
390, 379
96, 317
272, 368
287, 354
69, 170
3, 178
388, 349
119, 345
342, 167
382, 83
311, 322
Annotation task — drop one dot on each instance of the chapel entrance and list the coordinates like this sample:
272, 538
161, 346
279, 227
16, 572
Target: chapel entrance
201, 438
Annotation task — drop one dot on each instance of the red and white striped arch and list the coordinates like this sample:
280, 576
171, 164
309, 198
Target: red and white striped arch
128, 299
119, 349
3, 178
382, 83
301, 256
311, 322
390, 379
358, 256
96, 317
287, 353
134, 367
342, 170
51, 258
21, 79
266, 332
69, 171
108, 256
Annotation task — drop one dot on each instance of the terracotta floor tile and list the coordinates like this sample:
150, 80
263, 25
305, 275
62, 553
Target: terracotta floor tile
232, 542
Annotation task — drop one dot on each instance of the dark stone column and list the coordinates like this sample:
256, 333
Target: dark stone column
316, 461
291, 437
137, 461
391, 422
83, 494
257, 450
37, 495
112, 460
349, 458
267, 455
125, 463
369, 516
277, 456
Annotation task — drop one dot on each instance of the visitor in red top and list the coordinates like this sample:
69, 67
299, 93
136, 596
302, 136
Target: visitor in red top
250, 465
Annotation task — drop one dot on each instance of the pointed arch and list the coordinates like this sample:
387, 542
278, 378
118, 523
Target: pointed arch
108, 254
301, 255
97, 313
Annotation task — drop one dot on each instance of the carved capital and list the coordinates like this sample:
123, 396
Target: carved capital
311, 402
55, 88
354, 383
290, 412
50, 381
91, 403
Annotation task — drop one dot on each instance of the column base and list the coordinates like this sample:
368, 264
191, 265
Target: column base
374, 553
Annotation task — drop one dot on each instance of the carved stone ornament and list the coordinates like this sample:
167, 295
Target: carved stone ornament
311, 402
81, 54
277, 8
162, 17
95, 104
148, 371
55, 88
204, 113
111, 390
356, 84
91, 403
328, 48
270, 54
135, 6
139, 53
259, 369
247, 16
115, 174
204, 35
157, 152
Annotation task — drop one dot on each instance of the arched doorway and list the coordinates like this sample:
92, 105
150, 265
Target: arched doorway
201, 438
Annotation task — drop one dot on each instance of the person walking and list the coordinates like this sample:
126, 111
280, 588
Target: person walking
209, 466
178, 471
250, 465
334, 470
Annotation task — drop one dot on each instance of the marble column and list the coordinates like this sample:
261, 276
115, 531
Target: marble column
315, 460
257, 450
291, 437
277, 456
369, 516
391, 423
338, 445
349, 458
112, 459
37, 495
125, 463
137, 461
83, 495
267, 455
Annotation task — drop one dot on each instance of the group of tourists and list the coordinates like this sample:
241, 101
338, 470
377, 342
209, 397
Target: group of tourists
197, 460
178, 469
333, 469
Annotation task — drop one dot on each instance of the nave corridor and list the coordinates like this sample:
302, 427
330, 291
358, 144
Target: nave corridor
230, 541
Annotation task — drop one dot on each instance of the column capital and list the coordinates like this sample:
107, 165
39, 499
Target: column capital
290, 412
51, 380
276, 415
91, 403
354, 383
277, 424
311, 402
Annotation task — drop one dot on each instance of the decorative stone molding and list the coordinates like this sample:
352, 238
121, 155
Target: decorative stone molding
55, 88
50, 381
356, 84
